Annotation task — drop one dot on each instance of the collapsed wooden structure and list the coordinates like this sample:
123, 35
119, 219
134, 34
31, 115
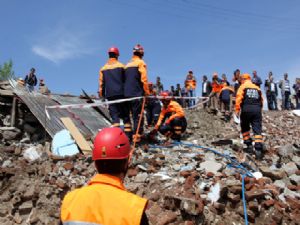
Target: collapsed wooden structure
88, 120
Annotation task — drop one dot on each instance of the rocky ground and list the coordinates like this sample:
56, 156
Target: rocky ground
184, 185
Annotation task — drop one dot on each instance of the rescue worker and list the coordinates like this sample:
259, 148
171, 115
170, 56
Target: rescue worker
111, 87
226, 100
190, 85
136, 85
249, 103
153, 107
105, 200
216, 88
171, 122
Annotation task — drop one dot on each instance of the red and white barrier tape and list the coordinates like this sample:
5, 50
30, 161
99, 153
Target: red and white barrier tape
106, 103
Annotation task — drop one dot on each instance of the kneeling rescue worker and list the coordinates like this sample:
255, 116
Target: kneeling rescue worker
105, 200
249, 103
171, 122
153, 107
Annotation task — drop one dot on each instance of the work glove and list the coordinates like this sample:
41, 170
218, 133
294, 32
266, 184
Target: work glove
236, 118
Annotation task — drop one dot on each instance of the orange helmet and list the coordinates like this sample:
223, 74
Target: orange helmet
114, 50
111, 143
246, 76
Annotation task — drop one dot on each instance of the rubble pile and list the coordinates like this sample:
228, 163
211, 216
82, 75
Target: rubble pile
184, 185
26, 129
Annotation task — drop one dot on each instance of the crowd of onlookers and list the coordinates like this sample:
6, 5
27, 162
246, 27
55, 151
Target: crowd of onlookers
222, 92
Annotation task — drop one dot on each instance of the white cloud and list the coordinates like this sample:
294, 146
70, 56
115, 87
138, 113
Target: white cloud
62, 44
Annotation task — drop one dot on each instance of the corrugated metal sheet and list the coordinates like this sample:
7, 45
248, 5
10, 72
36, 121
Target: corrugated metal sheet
88, 121
90, 117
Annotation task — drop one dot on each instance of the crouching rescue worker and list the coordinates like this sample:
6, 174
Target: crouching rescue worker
249, 103
226, 100
136, 85
105, 200
153, 107
111, 87
171, 122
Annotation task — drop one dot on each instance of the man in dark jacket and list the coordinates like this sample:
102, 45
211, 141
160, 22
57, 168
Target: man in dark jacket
206, 89
31, 80
267, 88
273, 93
256, 79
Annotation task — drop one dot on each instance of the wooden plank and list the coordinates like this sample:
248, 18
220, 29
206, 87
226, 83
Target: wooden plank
6, 92
13, 112
78, 137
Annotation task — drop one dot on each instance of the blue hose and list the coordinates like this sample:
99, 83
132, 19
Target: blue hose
234, 164
244, 200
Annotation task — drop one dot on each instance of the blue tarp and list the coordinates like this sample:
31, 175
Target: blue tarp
63, 144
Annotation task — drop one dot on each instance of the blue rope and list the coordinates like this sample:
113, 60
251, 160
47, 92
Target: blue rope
234, 164
244, 200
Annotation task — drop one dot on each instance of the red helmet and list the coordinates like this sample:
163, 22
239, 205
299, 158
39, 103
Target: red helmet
150, 84
114, 50
138, 48
166, 95
111, 143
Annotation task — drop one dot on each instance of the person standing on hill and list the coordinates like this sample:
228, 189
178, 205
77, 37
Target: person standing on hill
190, 86
31, 80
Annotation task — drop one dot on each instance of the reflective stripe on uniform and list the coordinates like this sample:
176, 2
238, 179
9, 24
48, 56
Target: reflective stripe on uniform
177, 127
258, 138
246, 135
116, 125
79, 223
127, 129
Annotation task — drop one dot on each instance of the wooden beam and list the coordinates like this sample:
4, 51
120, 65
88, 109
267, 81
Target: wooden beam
13, 112
6, 92
78, 137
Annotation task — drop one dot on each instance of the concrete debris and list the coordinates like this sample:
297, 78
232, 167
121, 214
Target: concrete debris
184, 185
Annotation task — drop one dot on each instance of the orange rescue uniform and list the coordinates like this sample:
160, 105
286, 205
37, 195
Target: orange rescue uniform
136, 81
173, 109
190, 83
104, 201
216, 87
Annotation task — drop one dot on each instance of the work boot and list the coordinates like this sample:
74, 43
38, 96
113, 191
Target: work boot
249, 149
259, 154
259, 151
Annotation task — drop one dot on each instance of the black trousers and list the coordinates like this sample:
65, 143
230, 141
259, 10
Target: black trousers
176, 127
253, 119
287, 104
268, 94
135, 108
152, 112
205, 104
273, 101
118, 111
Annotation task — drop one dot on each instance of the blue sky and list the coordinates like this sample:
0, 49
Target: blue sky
67, 40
